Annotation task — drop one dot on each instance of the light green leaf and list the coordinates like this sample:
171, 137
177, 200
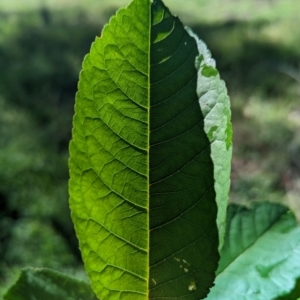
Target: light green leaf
261, 255
143, 183
215, 107
45, 284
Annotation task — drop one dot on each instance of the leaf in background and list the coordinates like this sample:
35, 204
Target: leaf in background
45, 284
142, 187
260, 257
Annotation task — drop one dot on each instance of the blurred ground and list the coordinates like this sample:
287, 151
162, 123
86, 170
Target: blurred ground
42, 43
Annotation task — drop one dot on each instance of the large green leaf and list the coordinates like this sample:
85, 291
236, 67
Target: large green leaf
261, 256
45, 284
143, 183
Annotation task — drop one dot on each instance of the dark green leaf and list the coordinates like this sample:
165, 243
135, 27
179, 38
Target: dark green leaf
45, 284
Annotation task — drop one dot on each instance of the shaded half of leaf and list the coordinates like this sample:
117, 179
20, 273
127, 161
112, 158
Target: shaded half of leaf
183, 210
45, 284
261, 255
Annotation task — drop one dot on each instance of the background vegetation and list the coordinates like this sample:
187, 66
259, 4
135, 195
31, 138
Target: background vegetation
42, 43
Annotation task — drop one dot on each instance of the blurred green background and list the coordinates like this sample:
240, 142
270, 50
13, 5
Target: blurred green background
42, 44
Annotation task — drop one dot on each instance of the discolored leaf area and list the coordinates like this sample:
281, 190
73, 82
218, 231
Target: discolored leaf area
144, 187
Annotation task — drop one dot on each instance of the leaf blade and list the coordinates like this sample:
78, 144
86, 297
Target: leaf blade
137, 250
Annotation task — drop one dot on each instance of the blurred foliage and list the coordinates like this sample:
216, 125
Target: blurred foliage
41, 50
39, 64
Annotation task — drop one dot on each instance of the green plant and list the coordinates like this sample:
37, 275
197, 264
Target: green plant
149, 164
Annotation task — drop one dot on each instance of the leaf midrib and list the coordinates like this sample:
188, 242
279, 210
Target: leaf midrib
148, 153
